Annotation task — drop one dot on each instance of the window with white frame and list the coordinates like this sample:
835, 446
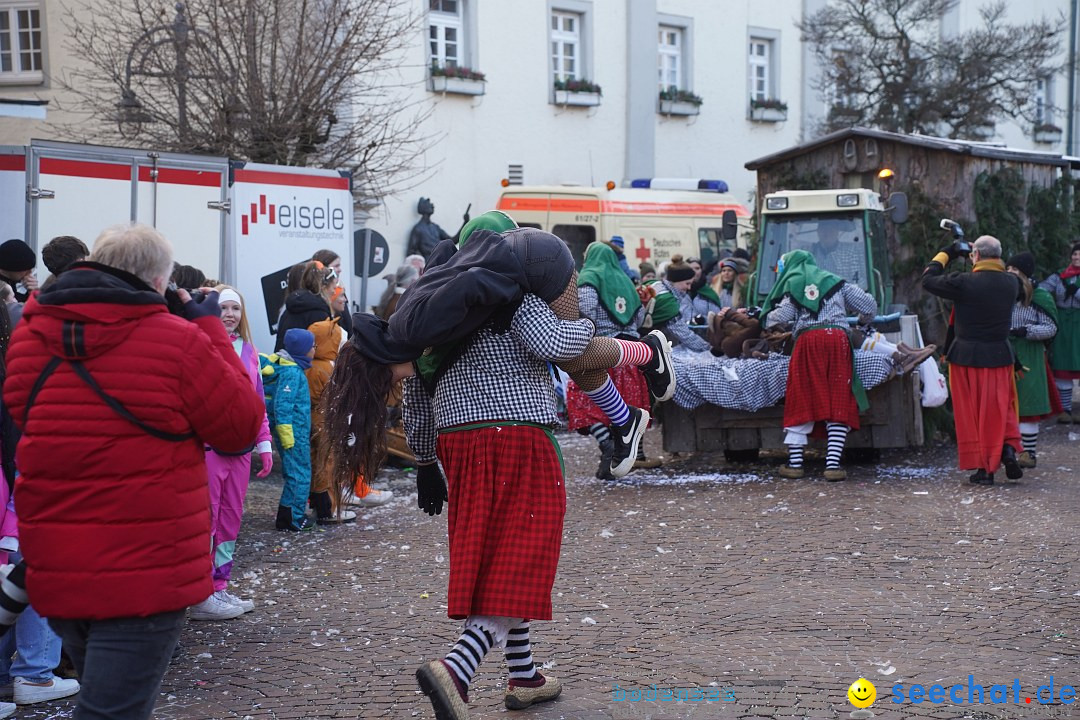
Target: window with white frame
445, 27
1042, 101
21, 55
670, 48
761, 69
566, 45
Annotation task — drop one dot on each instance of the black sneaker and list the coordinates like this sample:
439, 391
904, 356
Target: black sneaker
626, 439
981, 477
659, 374
607, 449
1013, 471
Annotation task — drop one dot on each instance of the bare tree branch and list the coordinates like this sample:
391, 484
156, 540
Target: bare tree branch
290, 82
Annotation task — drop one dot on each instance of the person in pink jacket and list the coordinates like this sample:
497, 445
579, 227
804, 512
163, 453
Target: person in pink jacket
229, 474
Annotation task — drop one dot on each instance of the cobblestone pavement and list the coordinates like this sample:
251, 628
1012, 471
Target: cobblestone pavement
777, 593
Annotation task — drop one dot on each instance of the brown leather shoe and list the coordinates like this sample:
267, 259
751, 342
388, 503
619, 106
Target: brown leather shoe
791, 473
1026, 459
1065, 419
835, 474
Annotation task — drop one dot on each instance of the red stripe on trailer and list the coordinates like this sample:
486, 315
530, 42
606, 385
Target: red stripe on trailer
13, 162
267, 177
177, 176
243, 225
262, 204
83, 168
254, 214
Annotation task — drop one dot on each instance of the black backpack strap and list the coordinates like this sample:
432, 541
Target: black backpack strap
122, 411
50, 368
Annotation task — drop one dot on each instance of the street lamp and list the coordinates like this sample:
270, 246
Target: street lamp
146, 60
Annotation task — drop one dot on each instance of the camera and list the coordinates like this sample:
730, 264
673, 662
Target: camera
953, 227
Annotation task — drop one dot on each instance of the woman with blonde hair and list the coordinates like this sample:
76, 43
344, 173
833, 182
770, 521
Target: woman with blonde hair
228, 473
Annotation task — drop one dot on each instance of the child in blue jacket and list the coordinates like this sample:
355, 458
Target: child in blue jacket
288, 407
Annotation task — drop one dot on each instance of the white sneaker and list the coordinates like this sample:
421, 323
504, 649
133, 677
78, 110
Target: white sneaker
374, 498
245, 605
343, 516
214, 608
28, 693
7, 709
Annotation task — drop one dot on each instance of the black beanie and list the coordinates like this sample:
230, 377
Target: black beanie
1024, 262
16, 256
547, 261
678, 270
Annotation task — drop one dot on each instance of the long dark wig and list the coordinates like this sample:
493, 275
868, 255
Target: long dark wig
353, 406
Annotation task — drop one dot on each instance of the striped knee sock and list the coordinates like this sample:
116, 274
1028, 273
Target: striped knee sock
468, 652
632, 352
1065, 391
1029, 436
600, 433
795, 455
519, 653
837, 437
610, 402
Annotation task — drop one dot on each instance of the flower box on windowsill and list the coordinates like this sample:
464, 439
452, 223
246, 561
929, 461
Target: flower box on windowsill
1047, 134
456, 85
679, 107
768, 114
584, 99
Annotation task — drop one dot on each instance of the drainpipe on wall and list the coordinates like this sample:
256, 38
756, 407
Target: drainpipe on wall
1070, 127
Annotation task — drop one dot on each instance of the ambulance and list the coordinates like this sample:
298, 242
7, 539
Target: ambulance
656, 217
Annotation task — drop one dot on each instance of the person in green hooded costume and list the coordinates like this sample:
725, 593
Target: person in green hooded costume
1065, 352
822, 385
1033, 326
608, 298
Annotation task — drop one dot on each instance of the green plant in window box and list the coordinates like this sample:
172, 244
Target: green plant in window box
768, 104
578, 86
674, 94
456, 71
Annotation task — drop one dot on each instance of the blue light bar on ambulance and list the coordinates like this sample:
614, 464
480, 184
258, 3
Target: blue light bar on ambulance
679, 184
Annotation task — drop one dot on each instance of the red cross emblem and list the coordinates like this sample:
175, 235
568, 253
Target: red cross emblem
642, 252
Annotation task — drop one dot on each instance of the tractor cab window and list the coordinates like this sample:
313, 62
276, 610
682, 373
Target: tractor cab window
837, 242
711, 242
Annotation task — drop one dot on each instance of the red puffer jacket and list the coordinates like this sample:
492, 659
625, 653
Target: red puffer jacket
114, 522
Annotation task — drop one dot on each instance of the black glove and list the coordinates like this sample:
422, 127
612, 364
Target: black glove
1020, 332
430, 488
1070, 290
957, 249
202, 306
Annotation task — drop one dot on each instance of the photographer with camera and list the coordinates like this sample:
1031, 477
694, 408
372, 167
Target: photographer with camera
979, 354
116, 399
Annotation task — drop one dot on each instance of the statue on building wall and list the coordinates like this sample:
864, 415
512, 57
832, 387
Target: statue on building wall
425, 234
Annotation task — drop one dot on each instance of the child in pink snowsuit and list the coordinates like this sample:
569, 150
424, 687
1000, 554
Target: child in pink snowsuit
229, 474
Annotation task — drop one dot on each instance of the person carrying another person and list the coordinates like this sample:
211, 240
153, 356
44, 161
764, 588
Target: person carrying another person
116, 546
1065, 351
822, 385
1033, 326
980, 357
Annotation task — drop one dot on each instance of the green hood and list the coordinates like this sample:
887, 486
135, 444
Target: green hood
603, 272
665, 305
493, 220
803, 281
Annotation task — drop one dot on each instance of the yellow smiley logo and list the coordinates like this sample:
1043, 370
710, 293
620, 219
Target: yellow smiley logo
862, 693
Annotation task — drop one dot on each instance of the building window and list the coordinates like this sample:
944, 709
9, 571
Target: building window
670, 67
444, 33
1042, 101
761, 71
21, 56
566, 45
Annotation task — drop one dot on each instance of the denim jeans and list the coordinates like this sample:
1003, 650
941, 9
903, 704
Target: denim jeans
38, 647
120, 661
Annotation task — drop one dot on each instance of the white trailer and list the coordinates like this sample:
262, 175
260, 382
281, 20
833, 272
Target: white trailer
242, 223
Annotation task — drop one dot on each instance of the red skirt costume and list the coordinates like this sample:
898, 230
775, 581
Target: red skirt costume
506, 504
819, 380
582, 412
985, 409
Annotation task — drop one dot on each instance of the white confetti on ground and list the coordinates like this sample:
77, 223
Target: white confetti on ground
605, 533
911, 472
587, 621
695, 479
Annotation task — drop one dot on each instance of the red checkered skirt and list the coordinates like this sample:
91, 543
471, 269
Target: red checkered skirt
819, 380
582, 412
507, 500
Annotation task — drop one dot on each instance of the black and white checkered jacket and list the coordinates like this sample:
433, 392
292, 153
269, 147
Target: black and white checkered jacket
499, 376
833, 310
606, 326
1040, 326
